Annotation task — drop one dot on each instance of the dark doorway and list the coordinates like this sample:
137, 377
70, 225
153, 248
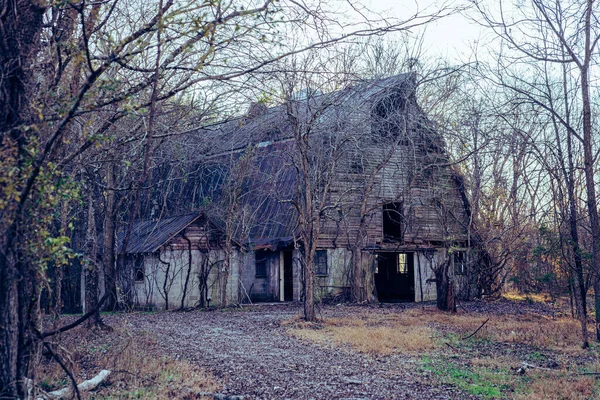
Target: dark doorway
288, 276
395, 277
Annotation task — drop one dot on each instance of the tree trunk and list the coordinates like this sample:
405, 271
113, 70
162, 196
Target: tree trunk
58, 277
358, 285
588, 158
91, 267
188, 274
309, 286
108, 241
446, 298
224, 273
166, 286
20, 26
580, 289
10, 327
204, 270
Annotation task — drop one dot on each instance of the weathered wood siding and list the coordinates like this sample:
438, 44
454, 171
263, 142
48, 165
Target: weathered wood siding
415, 172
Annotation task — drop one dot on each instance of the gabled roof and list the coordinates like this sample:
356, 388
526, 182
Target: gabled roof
351, 103
267, 137
148, 236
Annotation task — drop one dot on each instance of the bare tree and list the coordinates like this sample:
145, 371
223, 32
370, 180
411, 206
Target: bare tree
556, 41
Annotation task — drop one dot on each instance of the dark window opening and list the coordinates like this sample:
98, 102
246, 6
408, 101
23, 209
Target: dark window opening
260, 260
389, 115
356, 166
321, 262
288, 275
357, 160
460, 263
392, 221
138, 268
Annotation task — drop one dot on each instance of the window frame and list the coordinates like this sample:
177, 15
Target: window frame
402, 264
262, 273
139, 269
320, 260
459, 261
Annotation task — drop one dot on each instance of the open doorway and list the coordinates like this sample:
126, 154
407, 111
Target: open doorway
288, 276
395, 276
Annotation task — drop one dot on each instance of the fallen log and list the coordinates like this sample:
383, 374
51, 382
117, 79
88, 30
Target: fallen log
83, 386
525, 366
220, 396
595, 374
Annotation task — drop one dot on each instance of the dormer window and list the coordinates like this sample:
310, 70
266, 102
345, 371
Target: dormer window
356, 166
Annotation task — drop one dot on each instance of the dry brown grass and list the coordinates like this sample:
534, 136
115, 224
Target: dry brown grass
529, 329
140, 375
533, 297
385, 340
559, 388
560, 333
368, 335
136, 370
413, 330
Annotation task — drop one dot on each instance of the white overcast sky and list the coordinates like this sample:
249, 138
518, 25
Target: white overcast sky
452, 37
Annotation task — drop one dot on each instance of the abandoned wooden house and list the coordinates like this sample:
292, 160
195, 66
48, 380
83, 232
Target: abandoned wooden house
385, 197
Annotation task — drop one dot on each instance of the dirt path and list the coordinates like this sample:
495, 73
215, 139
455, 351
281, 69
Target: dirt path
250, 352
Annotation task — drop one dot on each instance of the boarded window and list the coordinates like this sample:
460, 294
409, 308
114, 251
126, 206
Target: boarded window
392, 221
260, 260
460, 263
321, 262
138, 268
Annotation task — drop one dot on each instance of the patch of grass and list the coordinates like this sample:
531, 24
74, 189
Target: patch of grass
541, 332
367, 336
102, 348
415, 330
537, 356
529, 329
528, 297
490, 378
477, 381
548, 387
162, 379
385, 340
